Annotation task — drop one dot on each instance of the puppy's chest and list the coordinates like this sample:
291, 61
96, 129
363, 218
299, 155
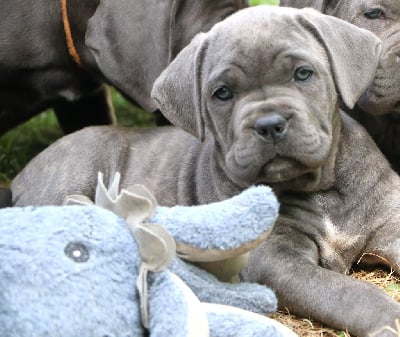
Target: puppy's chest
340, 237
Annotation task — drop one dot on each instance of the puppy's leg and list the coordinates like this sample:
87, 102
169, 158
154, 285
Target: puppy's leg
288, 262
93, 109
5, 197
9, 119
160, 119
384, 248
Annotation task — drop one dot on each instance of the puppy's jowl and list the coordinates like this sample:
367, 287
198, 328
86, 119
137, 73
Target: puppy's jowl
257, 98
379, 107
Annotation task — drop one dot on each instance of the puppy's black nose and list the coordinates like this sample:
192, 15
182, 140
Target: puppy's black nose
272, 125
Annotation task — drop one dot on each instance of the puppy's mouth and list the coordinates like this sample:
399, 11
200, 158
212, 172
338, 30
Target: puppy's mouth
270, 166
283, 169
394, 118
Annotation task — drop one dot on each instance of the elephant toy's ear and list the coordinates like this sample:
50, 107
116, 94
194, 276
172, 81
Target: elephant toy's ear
178, 89
130, 43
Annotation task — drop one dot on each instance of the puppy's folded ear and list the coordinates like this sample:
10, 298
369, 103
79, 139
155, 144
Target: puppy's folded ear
130, 43
353, 52
319, 5
178, 89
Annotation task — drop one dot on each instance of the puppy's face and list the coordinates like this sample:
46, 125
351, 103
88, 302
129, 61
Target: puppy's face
263, 84
270, 103
382, 17
378, 16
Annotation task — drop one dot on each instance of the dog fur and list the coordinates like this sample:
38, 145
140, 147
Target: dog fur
378, 109
124, 43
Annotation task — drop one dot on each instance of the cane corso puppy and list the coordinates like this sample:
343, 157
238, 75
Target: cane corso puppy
126, 43
260, 93
379, 108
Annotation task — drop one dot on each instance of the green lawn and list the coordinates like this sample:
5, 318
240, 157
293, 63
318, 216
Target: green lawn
21, 144
263, 2
18, 146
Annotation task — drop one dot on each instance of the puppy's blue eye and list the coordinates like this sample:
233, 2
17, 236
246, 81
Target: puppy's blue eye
303, 74
374, 13
223, 93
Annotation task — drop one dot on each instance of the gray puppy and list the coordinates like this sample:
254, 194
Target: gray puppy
261, 91
379, 108
126, 43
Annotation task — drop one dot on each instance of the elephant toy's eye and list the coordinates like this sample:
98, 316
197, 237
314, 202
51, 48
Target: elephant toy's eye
303, 74
223, 93
374, 13
77, 252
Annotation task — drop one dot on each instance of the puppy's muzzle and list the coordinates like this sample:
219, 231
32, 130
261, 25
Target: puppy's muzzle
271, 127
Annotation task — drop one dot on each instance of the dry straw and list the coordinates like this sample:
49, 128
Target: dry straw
388, 281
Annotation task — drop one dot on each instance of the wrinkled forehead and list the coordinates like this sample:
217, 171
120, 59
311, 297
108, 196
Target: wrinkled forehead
366, 4
351, 10
355, 13
256, 39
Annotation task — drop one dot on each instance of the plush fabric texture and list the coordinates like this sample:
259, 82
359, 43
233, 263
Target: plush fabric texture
46, 291
71, 271
248, 296
167, 306
223, 225
222, 318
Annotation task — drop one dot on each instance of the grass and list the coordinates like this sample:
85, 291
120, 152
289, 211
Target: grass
21, 144
263, 2
386, 280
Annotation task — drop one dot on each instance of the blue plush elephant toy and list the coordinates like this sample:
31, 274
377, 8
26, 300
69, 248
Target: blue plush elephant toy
118, 267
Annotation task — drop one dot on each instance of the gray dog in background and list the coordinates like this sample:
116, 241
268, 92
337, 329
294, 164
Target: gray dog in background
379, 108
126, 43
260, 93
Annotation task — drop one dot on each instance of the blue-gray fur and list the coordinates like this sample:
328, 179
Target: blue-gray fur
167, 306
45, 292
254, 210
248, 296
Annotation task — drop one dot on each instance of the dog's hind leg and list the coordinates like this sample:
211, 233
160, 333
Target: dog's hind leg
5, 197
384, 248
93, 109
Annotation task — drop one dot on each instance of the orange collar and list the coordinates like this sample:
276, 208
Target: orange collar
67, 29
